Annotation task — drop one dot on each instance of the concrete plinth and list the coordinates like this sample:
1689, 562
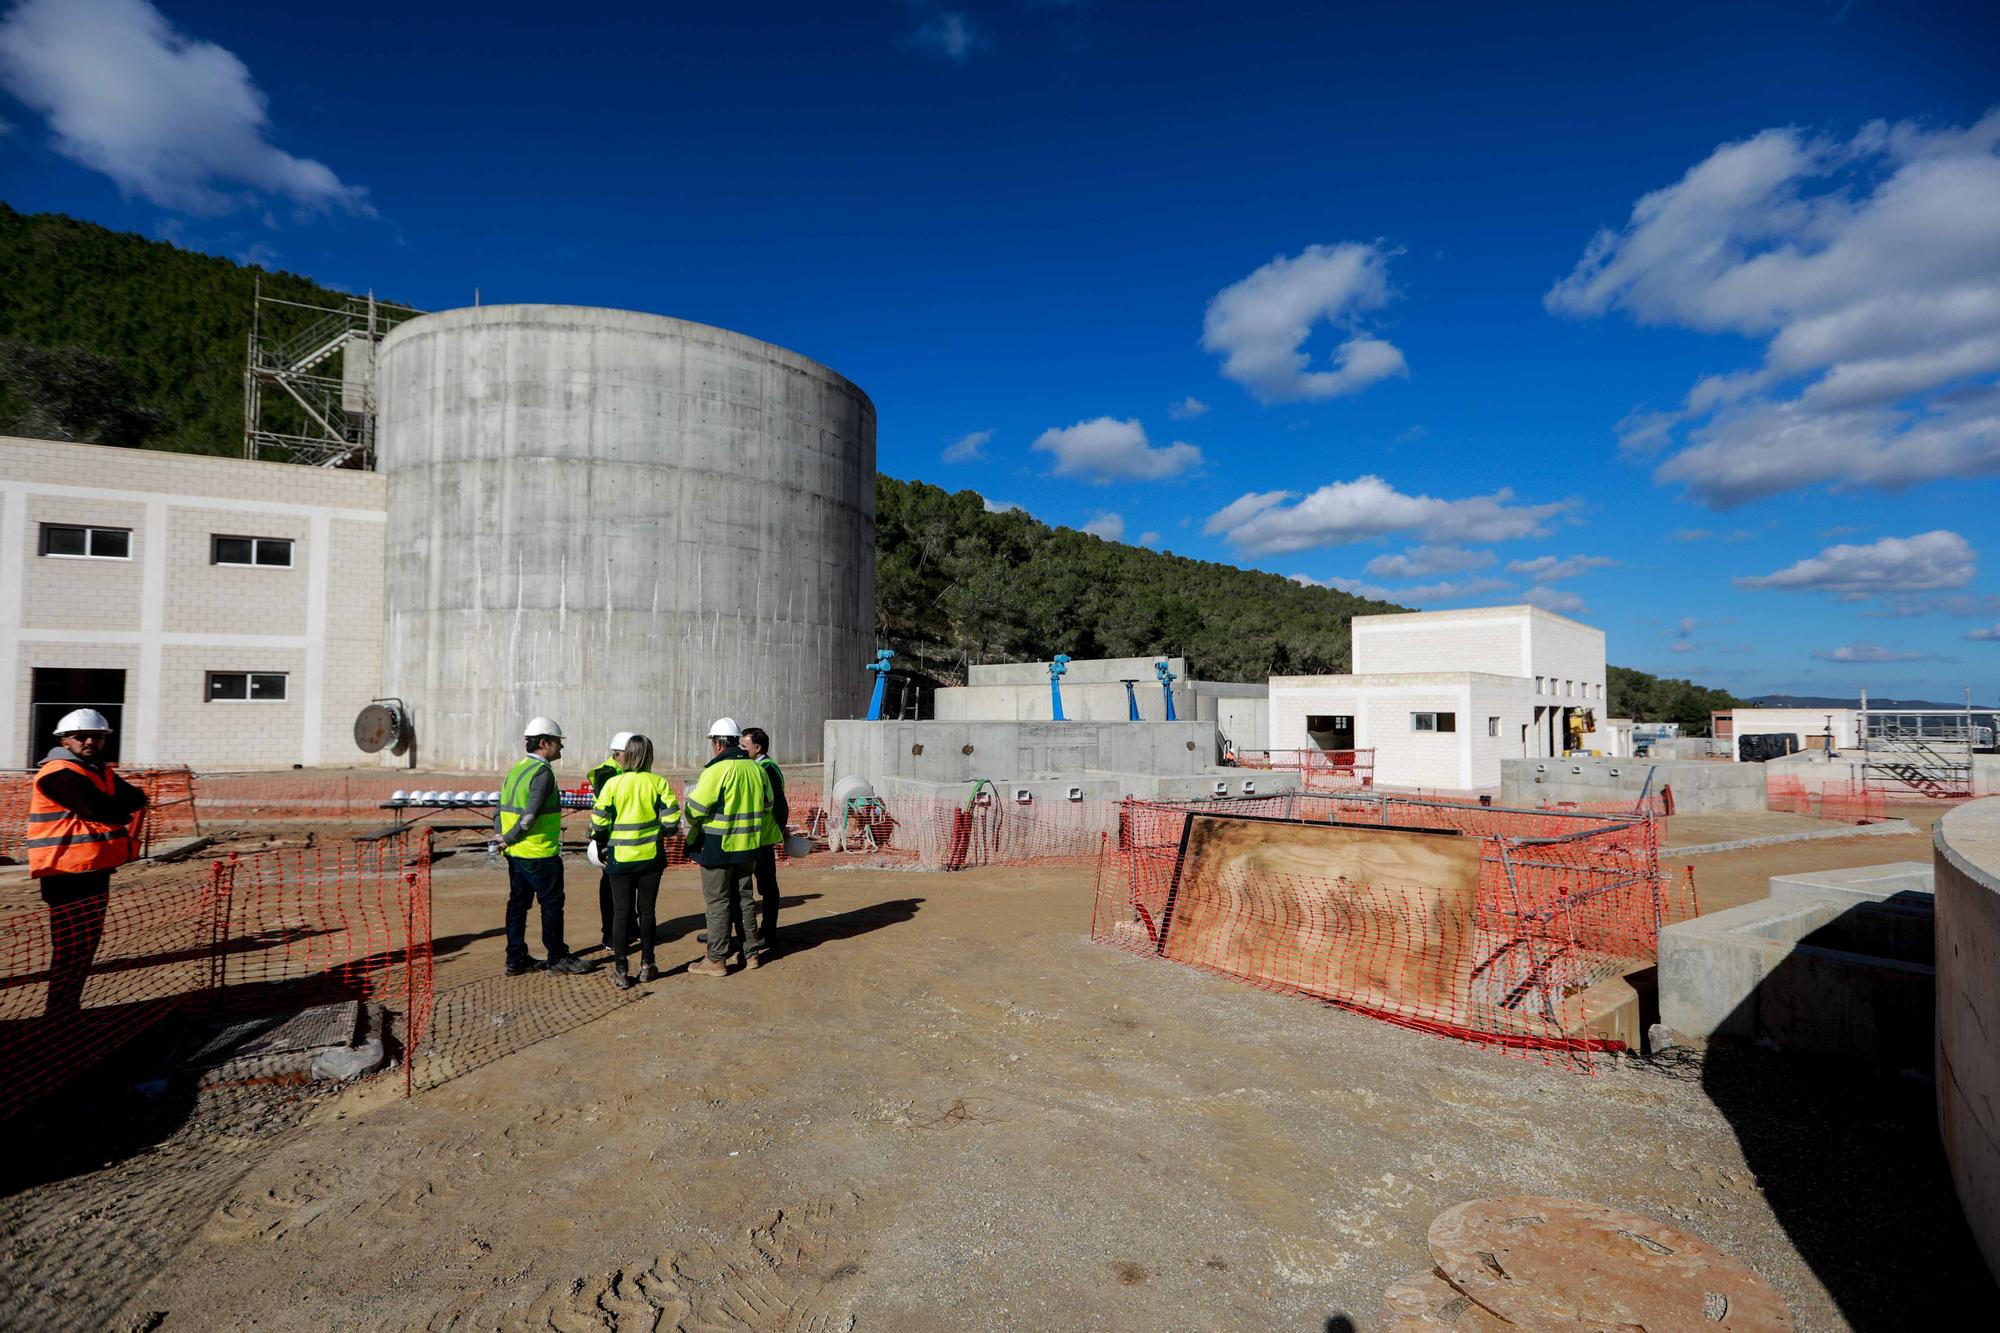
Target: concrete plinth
1699, 787
1968, 1008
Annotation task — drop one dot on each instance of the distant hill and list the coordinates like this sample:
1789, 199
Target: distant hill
1829, 701
111, 338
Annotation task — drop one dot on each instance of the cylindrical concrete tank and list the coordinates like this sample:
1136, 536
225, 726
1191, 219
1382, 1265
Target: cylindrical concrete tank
624, 522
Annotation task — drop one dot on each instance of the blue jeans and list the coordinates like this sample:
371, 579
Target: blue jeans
540, 878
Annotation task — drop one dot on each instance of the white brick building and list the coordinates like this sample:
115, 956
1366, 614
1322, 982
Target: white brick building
227, 614
1443, 696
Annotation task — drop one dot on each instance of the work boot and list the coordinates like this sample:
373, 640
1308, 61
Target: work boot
622, 979
701, 938
753, 962
525, 966
708, 967
569, 965
649, 973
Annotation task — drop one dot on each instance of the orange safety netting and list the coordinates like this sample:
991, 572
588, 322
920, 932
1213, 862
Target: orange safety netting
1319, 770
1786, 795
170, 808
1546, 906
267, 933
1853, 803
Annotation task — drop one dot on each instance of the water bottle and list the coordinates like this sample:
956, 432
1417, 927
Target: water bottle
493, 853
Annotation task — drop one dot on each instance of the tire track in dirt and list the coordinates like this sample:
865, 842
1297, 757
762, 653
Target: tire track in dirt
796, 1271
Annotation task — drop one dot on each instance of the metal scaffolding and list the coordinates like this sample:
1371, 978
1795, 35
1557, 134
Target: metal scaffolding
309, 380
1925, 751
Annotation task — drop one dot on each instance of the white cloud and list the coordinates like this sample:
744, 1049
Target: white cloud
1553, 599
1988, 635
1422, 561
1692, 534
1000, 506
1105, 450
950, 33
1450, 590
1862, 653
1372, 591
1149, 539
1187, 409
1107, 525
1259, 326
1549, 569
1869, 268
168, 117
969, 448
1350, 511
1925, 562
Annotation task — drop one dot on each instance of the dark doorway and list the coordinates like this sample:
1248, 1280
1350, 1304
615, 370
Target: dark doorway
58, 689
1331, 731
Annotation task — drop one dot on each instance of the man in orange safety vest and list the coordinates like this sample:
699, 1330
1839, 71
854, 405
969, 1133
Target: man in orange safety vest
82, 818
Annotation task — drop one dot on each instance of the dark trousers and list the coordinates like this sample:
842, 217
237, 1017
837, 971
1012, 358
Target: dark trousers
767, 894
539, 878
604, 912
634, 894
729, 893
76, 906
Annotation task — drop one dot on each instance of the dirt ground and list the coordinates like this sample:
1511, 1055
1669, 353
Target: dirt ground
944, 1107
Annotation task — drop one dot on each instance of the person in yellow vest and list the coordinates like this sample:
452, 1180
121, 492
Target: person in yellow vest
597, 777
757, 744
725, 812
528, 827
81, 820
635, 810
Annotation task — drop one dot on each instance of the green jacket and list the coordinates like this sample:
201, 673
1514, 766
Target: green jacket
781, 812
633, 812
602, 774
529, 819
726, 808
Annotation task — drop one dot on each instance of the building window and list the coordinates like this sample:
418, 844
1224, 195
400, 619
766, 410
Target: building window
1539, 682
254, 687
273, 551
61, 539
1493, 726
1433, 722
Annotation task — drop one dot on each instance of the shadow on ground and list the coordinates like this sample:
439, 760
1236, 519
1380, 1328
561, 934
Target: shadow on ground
1848, 1157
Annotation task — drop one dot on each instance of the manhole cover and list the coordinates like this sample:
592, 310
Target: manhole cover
1424, 1302
1562, 1263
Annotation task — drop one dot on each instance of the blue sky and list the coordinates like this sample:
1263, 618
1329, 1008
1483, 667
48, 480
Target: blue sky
1681, 319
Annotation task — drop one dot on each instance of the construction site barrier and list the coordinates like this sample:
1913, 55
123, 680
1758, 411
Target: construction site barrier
1786, 795
1318, 769
170, 808
268, 933
1526, 955
1853, 803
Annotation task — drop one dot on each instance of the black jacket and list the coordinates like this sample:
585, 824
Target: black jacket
78, 795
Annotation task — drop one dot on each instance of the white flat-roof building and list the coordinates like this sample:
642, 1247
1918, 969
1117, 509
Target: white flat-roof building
1443, 696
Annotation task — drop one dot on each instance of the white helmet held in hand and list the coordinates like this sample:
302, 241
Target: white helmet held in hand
620, 741
724, 728
543, 726
83, 719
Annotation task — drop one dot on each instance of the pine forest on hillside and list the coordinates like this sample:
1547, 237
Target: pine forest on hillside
111, 338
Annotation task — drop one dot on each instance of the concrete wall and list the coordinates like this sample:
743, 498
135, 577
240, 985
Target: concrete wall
1124, 759
1832, 977
167, 615
1967, 859
623, 522
1699, 786
1083, 671
1082, 702
1243, 723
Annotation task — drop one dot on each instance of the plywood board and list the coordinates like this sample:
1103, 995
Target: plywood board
1382, 919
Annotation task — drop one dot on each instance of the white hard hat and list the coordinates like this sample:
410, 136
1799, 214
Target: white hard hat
621, 740
82, 719
543, 726
725, 726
